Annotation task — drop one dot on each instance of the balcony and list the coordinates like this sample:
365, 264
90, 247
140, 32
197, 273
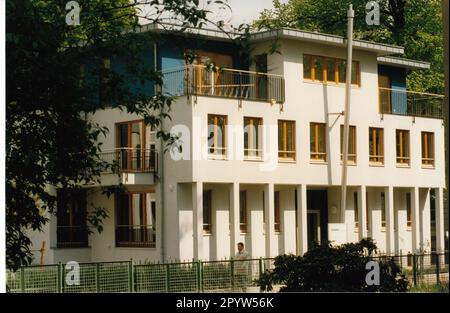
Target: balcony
131, 160
135, 236
200, 80
410, 103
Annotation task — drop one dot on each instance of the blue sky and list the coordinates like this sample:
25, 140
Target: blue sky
244, 11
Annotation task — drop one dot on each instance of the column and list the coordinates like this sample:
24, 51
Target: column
269, 214
389, 207
302, 230
415, 217
362, 213
234, 217
440, 242
425, 241
197, 219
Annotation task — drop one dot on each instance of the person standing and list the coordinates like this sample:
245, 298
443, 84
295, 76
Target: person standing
241, 267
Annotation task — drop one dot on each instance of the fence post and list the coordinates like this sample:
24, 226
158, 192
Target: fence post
438, 280
97, 277
200, 273
167, 277
232, 273
22, 279
414, 269
60, 278
131, 275
260, 267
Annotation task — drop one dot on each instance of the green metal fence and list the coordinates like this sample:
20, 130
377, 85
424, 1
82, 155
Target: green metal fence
108, 277
196, 276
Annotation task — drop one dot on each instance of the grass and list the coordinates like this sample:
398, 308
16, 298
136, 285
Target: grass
436, 288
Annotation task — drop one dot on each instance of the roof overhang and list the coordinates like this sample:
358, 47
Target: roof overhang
294, 34
404, 63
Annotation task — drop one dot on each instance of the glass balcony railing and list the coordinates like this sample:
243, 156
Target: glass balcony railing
410, 103
201, 80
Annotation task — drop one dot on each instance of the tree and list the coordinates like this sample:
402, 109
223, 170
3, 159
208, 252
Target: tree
55, 81
414, 24
325, 268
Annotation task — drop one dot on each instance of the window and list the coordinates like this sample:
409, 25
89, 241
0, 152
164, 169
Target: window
384, 94
376, 151
326, 69
367, 211
135, 146
252, 137
408, 210
243, 211
402, 146
383, 210
428, 149
286, 140
351, 143
355, 208
207, 211
71, 219
105, 78
318, 142
217, 135
136, 219
277, 217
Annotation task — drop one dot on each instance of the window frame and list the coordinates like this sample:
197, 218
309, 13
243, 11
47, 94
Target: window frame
243, 223
325, 63
277, 212
402, 153
356, 210
428, 149
408, 211
207, 227
317, 156
218, 152
351, 157
259, 142
288, 155
375, 158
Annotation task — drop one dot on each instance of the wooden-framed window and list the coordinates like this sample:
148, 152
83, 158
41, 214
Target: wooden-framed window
136, 219
428, 149
243, 211
402, 146
351, 143
317, 135
376, 143
384, 94
217, 144
71, 228
367, 211
135, 146
355, 209
383, 210
408, 210
277, 215
253, 138
207, 211
329, 70
286, 140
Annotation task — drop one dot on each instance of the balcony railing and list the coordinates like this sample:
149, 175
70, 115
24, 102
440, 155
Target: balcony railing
402, 102
131, 160
72, 236
201, 80
135, 235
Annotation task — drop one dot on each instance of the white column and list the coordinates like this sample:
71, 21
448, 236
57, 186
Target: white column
362, 213
269, 214
415, 217
440, 243
234, 217
389, 207
425, 223
302, 230
197, 219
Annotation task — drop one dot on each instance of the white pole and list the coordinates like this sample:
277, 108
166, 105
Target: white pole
348, 86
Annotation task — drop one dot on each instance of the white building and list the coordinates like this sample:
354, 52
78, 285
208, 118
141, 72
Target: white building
276, 186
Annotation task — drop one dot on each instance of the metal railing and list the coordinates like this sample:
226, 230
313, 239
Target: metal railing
72, 236
402, 102
135, 236
424, 269
131, 160
201, 80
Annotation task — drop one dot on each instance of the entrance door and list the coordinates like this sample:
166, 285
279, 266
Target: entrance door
384, 85
313, 220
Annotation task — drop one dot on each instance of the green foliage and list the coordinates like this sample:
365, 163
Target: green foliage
414, 24
326, 268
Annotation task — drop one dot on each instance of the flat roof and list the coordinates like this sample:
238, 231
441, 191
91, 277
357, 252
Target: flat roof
404, 63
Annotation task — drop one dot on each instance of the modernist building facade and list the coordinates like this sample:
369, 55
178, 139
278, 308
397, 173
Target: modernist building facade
261, 157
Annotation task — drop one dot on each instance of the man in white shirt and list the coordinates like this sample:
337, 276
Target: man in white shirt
241, 266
